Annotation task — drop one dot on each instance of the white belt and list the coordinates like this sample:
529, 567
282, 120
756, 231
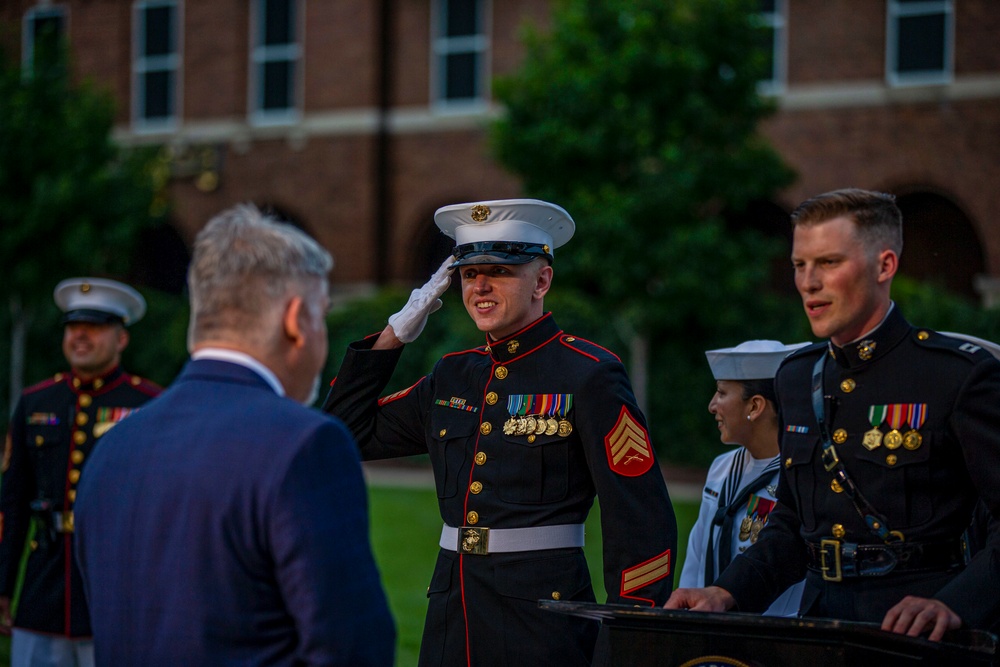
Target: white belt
482, 541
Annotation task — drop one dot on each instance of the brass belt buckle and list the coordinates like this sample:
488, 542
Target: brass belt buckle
825, 548
66, 523
474, 541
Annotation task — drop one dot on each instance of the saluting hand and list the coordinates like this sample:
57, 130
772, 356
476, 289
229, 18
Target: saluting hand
410, 321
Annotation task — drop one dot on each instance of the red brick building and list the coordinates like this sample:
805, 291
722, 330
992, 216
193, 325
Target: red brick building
358, 118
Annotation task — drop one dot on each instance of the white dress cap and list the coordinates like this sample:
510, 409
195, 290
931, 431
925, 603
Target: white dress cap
98, 300
481, 228
987, 345
752, 360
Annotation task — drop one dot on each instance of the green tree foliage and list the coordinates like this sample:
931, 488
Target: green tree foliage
640, 117
72, 202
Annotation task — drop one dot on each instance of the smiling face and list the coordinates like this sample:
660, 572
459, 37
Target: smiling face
93, 349
730, 410
844, 286
504, 298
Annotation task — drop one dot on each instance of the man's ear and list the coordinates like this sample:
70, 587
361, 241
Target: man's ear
888, 264
543, 282
123, 339
292, 320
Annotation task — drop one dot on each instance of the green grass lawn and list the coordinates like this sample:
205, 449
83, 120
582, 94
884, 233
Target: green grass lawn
405, 531
405, 527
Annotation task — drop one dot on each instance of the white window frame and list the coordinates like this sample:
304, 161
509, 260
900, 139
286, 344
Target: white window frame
261, 54
28, 30
894, 12
143, 64
777, 20
443, 46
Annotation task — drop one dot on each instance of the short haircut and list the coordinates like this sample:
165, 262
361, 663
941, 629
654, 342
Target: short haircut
878, 220
245, 264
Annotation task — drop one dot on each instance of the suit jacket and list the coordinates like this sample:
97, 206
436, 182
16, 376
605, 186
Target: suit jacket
55, 427
226, 526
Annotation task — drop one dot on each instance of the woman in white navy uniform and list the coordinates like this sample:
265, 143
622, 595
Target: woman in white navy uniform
740, 487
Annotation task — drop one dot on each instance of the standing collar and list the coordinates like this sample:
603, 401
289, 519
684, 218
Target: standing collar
522, 342
241, 359
873, 345
97, 384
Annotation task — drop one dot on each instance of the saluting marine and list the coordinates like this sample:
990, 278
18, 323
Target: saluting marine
522, 432
55, 426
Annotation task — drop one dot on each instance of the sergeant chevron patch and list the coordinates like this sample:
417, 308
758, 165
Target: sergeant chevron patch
627, 446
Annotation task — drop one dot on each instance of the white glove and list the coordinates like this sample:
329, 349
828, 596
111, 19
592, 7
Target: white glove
410, 321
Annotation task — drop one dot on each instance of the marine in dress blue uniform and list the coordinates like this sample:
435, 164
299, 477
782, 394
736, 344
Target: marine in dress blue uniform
523, 432
55, 427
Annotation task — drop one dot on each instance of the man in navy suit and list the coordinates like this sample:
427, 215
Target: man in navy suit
226, 523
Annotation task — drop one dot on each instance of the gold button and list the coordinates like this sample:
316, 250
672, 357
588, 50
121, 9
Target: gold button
79, 437
76, 382
891, 459
836, 487
476, 487
85, 400
492, 398
570, 339
472, 518
840, 436
34, 544
98, 383
923, 335
556, 595
71, 494
74, 476
485, 428
848, 385
838, 531
500, 372
876, 525
81, 418
442, 432
136, 380
531, 438
39, 440
788, 462
58, 377
76, 456
480, 458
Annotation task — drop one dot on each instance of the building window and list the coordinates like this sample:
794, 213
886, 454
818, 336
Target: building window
275, 61
155, 65
772, 21
460, 72
43, 34
919, 40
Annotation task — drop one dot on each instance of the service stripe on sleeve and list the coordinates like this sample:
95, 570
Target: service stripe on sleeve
646, 573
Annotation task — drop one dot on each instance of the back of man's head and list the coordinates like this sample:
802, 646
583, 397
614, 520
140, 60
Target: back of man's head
878, 220
244, 266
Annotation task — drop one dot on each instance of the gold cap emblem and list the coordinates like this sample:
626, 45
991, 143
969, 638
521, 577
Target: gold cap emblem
480, 213
838, 531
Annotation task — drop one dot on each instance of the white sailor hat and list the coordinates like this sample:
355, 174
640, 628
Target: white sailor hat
99, 301
506, 231
987, 345
752, 360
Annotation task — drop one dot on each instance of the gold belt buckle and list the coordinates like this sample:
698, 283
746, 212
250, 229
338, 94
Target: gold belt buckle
66, 521
825, 546
475, 541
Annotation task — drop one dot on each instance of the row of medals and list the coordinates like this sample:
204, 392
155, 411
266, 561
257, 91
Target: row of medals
537, 425
750, 529
892, 440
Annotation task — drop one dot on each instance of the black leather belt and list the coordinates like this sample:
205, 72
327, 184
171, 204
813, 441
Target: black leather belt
837, 560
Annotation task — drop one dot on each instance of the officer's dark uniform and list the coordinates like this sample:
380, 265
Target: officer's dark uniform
936, 400
495, 468
55, 426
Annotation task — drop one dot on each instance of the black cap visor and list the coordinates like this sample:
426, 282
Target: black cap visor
499, 252
92, 316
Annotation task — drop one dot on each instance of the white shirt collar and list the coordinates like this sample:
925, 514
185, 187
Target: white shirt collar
241, 359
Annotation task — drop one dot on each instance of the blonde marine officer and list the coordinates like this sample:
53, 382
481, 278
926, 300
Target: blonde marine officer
522, 431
